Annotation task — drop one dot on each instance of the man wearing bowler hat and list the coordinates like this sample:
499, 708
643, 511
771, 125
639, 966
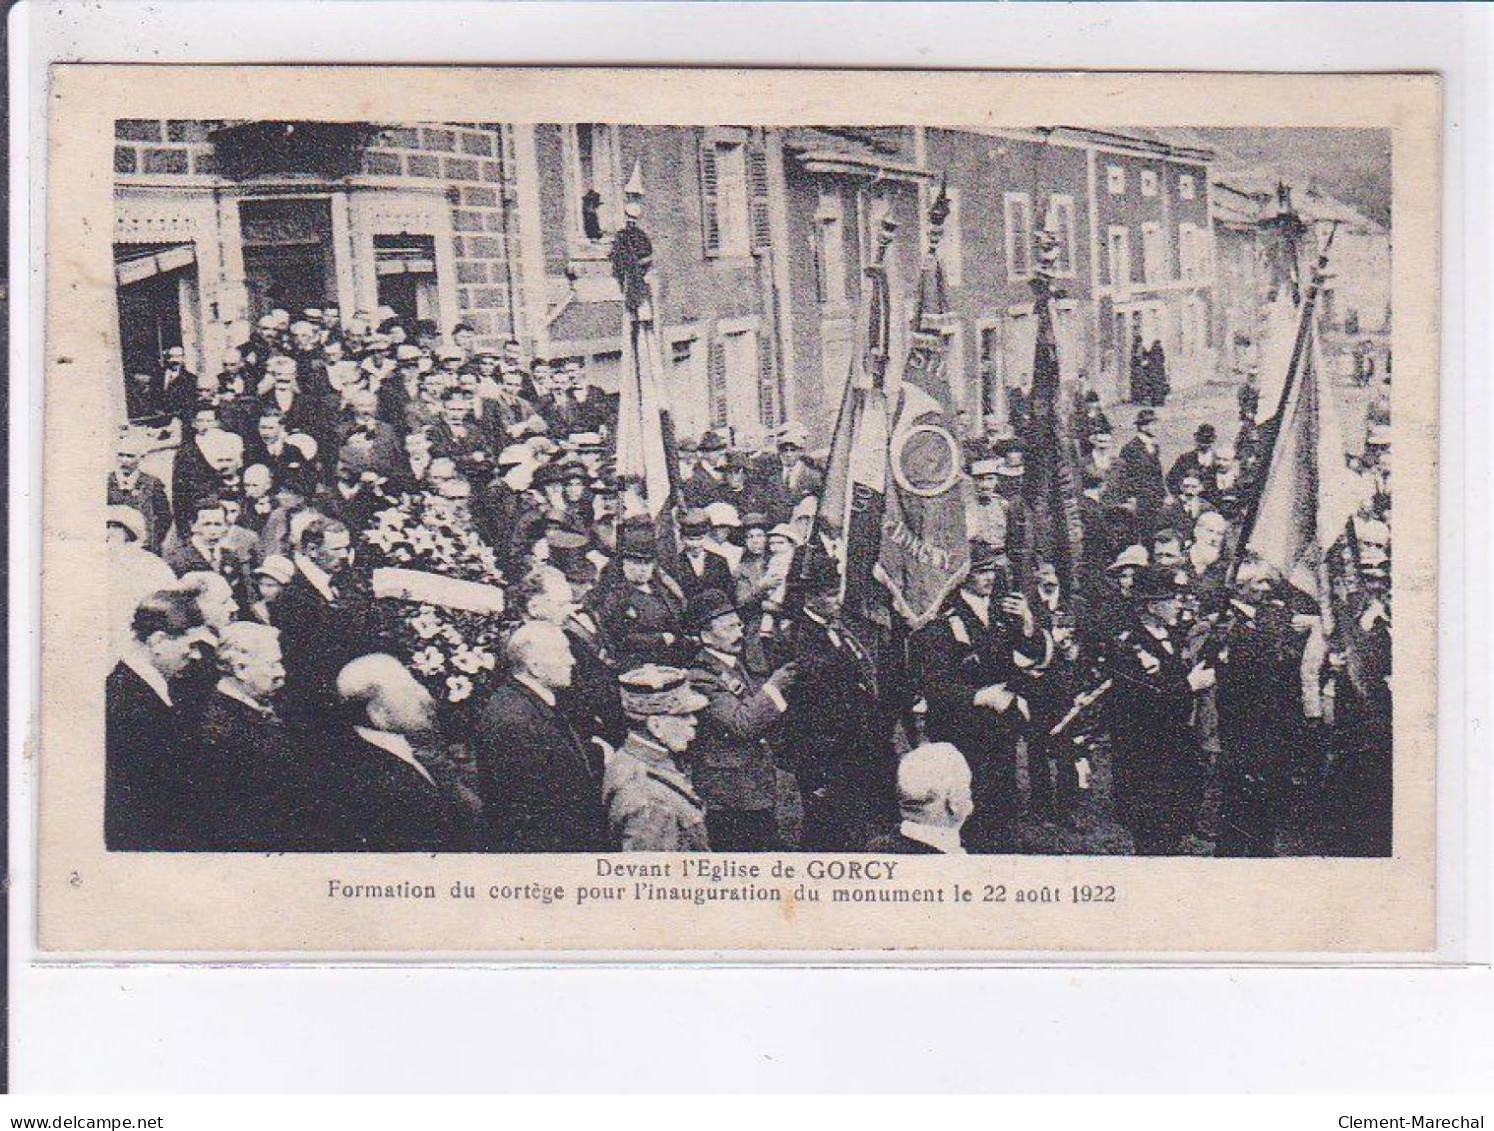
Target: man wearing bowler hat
735, 768
1202, 462
1136, 481
701, 567
651, 804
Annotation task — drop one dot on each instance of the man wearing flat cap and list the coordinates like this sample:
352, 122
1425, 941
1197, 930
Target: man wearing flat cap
651, 805
640, 608
786, 479
735, 767
1158, 774
974, 659
129, 486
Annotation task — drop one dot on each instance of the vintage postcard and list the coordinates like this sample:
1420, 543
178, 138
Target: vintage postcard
530, 512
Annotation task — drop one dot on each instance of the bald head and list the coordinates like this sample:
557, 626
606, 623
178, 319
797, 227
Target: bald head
539, 651
933, 785
390, 697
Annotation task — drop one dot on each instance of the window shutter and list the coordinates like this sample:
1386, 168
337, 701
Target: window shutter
767, 384
757, 191
717, 389
710, 221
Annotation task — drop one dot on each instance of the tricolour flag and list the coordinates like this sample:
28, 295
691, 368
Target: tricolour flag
1308, 494
646, 465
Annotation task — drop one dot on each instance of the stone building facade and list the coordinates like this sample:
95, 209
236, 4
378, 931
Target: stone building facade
761, 237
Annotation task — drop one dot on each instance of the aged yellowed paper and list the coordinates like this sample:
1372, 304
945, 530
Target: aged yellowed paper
787, 278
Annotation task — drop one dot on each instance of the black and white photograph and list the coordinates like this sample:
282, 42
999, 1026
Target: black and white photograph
592, 487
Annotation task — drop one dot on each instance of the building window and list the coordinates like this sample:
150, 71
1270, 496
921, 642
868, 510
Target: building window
689, 392
1018, 215
1118, 246
726, 202
1060, 222
1115, 180
406, 270
830, 249
1185, 187
741, 411
1153, 253
593, 181
1148, 182
1193, 253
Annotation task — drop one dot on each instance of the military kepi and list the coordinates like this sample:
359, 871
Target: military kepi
654, 689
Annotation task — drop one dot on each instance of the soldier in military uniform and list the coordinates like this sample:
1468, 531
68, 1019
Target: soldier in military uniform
640, 607
973, 658
838, 731
1157, 771
651, 805
735, 768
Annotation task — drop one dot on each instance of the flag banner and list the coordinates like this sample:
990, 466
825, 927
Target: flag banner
1309, 494
1279, 341
924, 552
1051, 487
645, 466
852, 500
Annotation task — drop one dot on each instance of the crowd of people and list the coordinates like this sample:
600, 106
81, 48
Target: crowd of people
581, 679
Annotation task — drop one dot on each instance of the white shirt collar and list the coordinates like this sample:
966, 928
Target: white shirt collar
725, 657
396, 744
138, 662
234, 691
320, 580
538, 688
980, 606
945, 840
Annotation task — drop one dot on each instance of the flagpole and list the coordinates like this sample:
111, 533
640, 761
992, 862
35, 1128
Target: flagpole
1299, 348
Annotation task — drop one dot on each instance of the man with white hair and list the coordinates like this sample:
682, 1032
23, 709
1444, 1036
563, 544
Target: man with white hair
368, 443
252, 789
934, 799
389, 797
541, 789
203, 465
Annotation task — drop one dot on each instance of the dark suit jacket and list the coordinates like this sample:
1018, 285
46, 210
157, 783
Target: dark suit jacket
191, 478
717, 575
906, 845
1137, 472
148, 496
317, 638
383, 804
541, 790
142, 779
734, 767
593, 703
253, 787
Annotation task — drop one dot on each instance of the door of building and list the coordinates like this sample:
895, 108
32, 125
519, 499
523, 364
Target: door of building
289, 263
150, 321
